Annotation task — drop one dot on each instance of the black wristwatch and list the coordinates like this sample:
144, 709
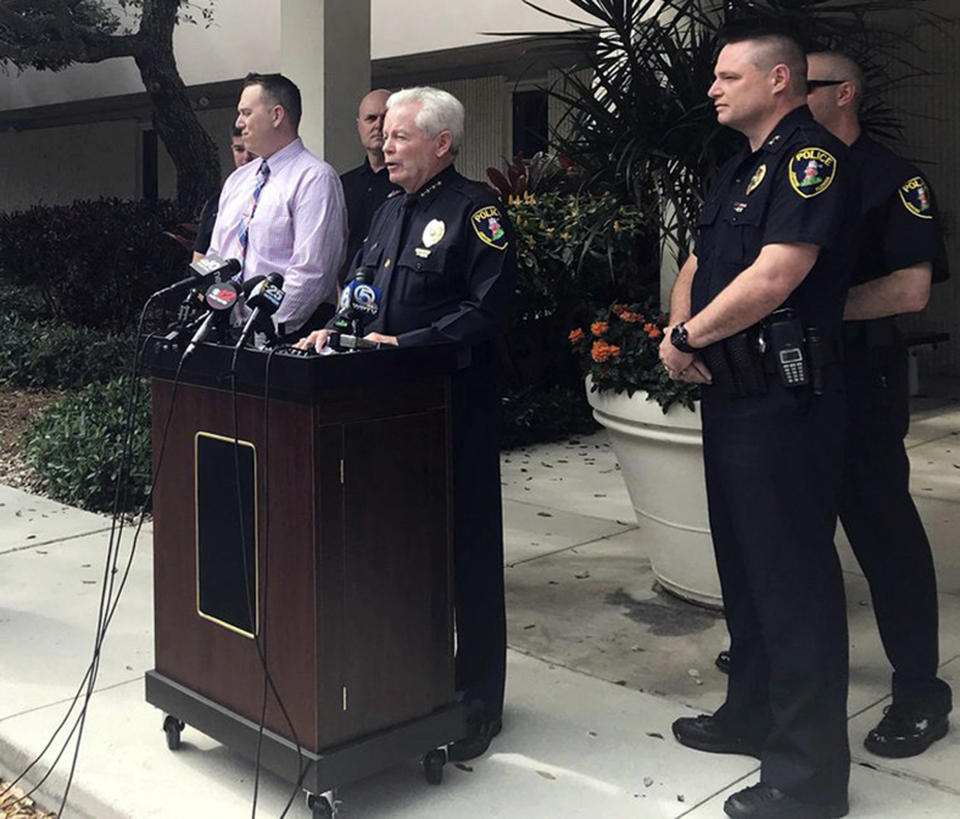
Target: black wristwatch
678, 338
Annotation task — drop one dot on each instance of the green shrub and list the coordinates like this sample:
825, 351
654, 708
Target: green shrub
39, 354
538, 414
91, 263
74, 447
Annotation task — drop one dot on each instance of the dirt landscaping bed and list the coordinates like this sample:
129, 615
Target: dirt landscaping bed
17, 408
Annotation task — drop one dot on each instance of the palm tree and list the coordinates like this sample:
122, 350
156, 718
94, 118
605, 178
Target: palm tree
637, 116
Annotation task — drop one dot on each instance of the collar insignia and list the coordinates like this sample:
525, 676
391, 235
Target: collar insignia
433, 232
812, 171
432, 188
916, 197
758, 177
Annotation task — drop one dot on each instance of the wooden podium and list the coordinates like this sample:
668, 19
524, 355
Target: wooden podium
340, 533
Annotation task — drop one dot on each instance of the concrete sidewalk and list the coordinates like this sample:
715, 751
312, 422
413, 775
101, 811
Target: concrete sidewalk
601, 663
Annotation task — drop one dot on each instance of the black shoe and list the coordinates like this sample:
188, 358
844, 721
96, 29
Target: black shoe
478, 738
905, 731
705, 733
723, 661
766, 802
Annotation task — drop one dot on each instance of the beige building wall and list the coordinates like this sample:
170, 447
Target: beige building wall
56, 166
486, 102
53, 166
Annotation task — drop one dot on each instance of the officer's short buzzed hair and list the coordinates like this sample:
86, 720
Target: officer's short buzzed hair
774, 47
440, 111
843, 67
278, 90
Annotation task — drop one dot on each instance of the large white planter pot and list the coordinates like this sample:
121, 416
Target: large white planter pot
661, 458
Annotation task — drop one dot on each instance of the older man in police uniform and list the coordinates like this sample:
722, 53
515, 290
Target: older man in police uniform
441, 254
772, 235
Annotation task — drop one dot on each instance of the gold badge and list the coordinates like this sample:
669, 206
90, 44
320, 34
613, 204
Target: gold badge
433, 232
758, 176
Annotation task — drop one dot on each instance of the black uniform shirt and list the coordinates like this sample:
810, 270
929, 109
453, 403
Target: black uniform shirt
444, 262
898, 215
794, 188
364, 191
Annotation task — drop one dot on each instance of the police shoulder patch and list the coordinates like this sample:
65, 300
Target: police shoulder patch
811, 171
488, 225
915, 196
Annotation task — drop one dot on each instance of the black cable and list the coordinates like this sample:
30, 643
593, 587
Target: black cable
108, 602
258, 634
301, 768
91, 668
107, 609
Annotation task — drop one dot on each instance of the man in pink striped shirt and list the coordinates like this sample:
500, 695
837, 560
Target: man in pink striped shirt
284, 212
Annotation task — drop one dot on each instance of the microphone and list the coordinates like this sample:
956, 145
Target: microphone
248, 284
359, 302
265, 298
220, 298
343, 341
210, 269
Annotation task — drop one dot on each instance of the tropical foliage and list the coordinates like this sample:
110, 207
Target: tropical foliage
638, 120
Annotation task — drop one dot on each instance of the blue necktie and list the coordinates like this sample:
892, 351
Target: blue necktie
243, 234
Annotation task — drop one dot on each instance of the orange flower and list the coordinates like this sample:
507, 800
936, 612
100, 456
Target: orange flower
626, 315
575, 335
652, 330
601, 351
598, 328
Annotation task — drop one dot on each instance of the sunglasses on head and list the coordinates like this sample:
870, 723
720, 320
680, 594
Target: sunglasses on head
811, 84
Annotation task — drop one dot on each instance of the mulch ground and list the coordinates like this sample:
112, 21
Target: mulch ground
17, 408
14, 806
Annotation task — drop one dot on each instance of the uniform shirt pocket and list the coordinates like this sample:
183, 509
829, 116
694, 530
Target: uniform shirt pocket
426, 280
705, 229
746, 230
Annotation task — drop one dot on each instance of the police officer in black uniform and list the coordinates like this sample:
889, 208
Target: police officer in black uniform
756, 316
900, 250
442, 257
366, 187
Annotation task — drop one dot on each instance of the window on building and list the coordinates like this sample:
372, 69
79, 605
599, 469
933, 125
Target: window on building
530, 124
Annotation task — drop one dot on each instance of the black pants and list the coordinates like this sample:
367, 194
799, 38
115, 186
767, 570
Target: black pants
883, 526
478, 536
772, 466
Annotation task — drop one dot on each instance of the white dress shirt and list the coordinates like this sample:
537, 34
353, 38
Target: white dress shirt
298, 229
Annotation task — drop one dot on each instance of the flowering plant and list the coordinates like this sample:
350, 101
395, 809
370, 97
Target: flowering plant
619, 349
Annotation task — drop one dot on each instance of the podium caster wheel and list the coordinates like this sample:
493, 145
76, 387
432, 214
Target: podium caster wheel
172, 728
320, 806
433, 764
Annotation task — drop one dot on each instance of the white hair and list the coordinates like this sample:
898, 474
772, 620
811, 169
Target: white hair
439, 111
